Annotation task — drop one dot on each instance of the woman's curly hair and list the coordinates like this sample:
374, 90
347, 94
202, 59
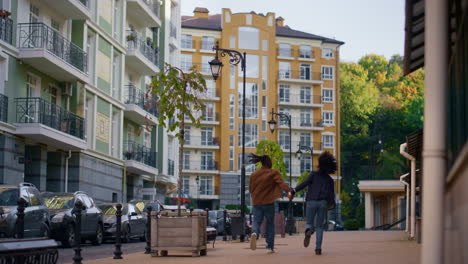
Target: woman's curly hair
327, 163
264, 159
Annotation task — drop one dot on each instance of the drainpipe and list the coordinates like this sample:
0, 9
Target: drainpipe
413, 187
66, 170
407, 199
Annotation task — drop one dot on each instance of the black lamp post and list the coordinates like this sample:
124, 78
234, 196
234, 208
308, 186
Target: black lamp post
197, 180
235, 58
272, 123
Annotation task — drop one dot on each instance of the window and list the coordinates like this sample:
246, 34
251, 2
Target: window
327, 117
306, 163
207, 136
90, 44
327, 95
305, 95
265, 44
286, 159
284, 50
209, 112
248, 38
207, 43
284, 140
5, 5
231, 152
185, 62
206, 185
33, 14
264, 113
252, 68
207, 162
147, 139
186, 184
115, 133
210, 88
306, 118
249, 168
327, 72
251, 136
231, 111
327, 53
305, 139
305, 71
264, 72
284, 93
205, 67
130, 133
328, 141
116, 76
305, 52
283, 122
251, 100
284, 70
186, 41
186, 160
187, 135
116, 18
232, 77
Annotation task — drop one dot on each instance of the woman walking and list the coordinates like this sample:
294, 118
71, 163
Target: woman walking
265, 187
320, 197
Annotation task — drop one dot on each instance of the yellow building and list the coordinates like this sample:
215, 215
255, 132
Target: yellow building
287, 70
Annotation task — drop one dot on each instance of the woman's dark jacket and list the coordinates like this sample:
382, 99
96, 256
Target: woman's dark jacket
321, 187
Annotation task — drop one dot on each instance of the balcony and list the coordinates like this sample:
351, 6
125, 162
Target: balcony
211, 94
73, 9
203, 68
303, 124
211, 119
197, 142
3, 108
146, 12
295, 146
48, 51
300, 100
139, 159
49, 124
290, 54
138, 107
6, 30
303, 76
141, 55
198, 166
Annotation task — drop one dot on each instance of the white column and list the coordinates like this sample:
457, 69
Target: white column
369, 206
434, 168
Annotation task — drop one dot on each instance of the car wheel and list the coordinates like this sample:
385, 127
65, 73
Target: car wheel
97, 240
126, 234
69, 239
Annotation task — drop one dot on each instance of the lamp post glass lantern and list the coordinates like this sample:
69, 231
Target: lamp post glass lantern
235, 57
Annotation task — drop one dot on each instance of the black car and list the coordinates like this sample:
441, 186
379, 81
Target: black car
63, 221
36, 215
133, 222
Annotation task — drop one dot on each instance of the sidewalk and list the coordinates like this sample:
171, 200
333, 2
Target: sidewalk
348, 247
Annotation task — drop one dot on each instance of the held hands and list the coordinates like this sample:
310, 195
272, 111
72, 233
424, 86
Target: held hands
291, 194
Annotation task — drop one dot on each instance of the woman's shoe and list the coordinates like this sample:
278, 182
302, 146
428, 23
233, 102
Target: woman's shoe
318, 251
308, 234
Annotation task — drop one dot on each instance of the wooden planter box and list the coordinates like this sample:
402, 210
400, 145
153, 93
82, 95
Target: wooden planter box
185, 233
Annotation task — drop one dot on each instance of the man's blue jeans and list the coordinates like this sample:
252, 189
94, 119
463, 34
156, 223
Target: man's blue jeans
317, 209
265, 211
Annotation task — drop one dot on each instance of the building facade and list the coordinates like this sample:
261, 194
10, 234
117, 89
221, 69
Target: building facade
289, 71
75, 111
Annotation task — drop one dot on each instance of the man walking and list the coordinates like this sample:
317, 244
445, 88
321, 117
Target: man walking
265, 187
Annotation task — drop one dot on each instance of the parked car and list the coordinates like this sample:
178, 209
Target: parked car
133, 222
63, 221
36, 215
143, 204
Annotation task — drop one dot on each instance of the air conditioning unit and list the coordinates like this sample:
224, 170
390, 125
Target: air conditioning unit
67, 90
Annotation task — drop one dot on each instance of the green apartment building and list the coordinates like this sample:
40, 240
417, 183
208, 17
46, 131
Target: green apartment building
74, 109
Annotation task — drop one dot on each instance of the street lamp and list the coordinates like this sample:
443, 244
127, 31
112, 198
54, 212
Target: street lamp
235, 58
272, 123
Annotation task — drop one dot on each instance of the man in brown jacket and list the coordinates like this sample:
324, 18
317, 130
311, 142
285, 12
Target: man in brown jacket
265, 187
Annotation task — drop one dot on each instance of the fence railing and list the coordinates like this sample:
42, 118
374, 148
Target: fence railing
295, 145
305, 75
3, 108
39, 35
302, 122
145, 46
300, 99
200, 165
137, 97
203, 117
201, 141
140, 153
6, 30
292, 53
38, 110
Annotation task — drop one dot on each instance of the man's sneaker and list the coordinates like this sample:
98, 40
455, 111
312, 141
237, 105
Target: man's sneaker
308, 234
270, 250
253, 241
318, 251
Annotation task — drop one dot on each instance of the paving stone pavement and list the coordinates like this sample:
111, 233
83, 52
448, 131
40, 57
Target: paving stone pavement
363, 247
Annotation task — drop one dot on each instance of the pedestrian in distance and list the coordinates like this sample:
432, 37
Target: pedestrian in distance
265, 187
319, 198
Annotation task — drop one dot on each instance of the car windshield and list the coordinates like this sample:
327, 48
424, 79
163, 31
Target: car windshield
59, 202
110, 209
8, 196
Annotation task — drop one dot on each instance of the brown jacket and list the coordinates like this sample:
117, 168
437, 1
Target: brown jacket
265, 186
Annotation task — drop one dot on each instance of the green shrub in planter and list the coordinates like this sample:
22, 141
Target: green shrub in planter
351, 224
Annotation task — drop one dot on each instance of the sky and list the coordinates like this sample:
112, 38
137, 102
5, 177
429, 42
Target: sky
366, 26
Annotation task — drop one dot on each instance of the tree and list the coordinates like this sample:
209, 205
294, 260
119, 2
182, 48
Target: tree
177, 95
275, 152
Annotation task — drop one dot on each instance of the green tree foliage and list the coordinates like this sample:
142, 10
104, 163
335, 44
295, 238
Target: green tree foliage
275, 152
379, 108
302, 178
